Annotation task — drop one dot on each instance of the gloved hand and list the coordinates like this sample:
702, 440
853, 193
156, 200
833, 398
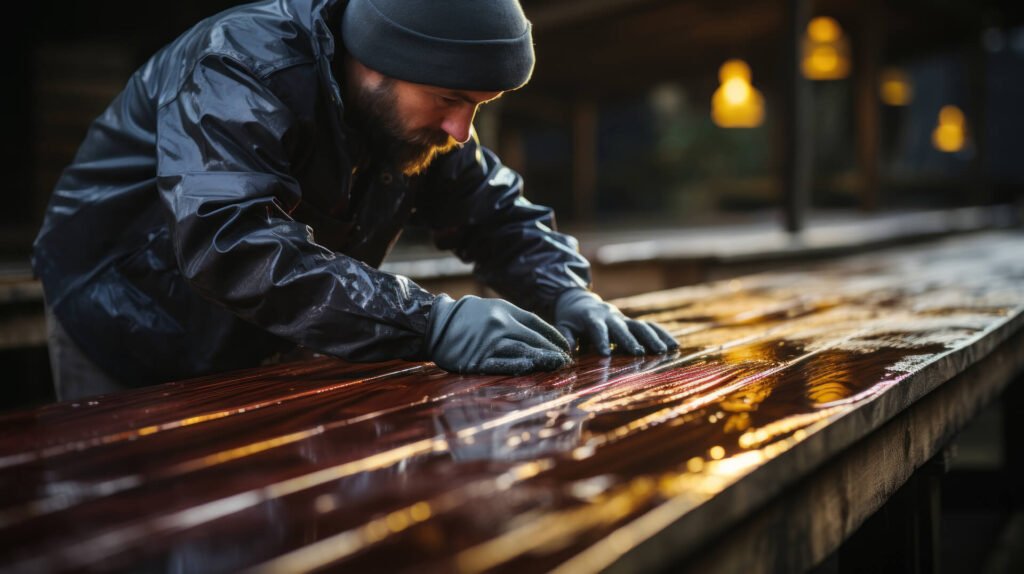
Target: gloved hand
474, 335
582, 314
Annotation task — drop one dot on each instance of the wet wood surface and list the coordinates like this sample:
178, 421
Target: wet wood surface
622, 462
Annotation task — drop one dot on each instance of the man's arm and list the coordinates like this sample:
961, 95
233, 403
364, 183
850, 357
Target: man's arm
475, 207
224, 147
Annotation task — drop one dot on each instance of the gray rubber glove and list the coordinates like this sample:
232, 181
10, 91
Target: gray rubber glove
493, 336
580, 314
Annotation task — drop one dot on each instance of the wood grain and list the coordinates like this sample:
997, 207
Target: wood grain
401, 466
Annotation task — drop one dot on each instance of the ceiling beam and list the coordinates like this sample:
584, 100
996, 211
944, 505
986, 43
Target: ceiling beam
548, 16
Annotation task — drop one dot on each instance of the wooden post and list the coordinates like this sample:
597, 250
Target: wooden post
511, 149
978, 187
868, 112
488, 125
903, 536
1013, 413
795, 106
584, 160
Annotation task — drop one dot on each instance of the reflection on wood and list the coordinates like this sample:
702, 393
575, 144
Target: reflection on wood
401, 466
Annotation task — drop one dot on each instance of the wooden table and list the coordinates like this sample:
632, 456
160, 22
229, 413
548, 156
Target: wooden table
797, 404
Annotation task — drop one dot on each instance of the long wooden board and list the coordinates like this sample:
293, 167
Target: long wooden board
401, 466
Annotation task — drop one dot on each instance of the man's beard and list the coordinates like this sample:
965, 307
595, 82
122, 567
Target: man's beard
377, 117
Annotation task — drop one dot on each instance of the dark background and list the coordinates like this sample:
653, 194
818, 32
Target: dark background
633, 80
641, 72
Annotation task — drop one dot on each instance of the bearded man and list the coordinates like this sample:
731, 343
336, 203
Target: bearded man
236, 200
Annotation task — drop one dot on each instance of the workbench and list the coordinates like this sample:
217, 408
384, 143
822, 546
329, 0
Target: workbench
798, 402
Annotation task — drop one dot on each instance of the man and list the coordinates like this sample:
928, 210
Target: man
236, 199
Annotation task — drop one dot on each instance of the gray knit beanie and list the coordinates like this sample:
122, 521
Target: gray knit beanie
483, 45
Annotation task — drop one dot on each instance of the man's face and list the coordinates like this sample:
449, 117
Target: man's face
410, 124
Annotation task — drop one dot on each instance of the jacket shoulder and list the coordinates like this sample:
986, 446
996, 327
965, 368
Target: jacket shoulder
263, 37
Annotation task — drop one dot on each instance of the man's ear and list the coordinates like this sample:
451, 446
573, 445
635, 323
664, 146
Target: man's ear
360, 74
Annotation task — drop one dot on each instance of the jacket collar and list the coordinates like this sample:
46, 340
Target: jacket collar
321, 17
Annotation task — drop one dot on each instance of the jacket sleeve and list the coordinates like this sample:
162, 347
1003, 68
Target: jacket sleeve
224, 147
476, 208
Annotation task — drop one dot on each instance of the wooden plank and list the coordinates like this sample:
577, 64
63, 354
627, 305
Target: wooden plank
809, 520
22, 328
400, 466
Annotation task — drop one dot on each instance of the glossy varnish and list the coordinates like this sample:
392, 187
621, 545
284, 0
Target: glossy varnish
401, 466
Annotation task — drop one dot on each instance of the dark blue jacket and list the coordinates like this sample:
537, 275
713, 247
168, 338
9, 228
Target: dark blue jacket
220, 211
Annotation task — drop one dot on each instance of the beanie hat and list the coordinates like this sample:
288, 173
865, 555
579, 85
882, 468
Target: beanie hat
482, 45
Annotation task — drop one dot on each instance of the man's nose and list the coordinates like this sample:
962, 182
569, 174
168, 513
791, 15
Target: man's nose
459, 122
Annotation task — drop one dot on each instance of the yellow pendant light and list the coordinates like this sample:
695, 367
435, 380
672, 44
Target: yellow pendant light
736, 103
826, 53
949, 135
